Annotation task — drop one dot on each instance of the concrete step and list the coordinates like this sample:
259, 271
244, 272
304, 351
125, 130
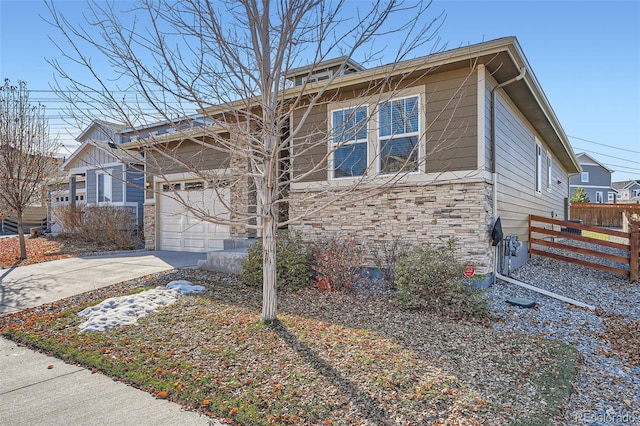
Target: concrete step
237, 243
229, 259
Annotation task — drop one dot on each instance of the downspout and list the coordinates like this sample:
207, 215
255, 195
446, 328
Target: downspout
519, 77
496, 273
494, 156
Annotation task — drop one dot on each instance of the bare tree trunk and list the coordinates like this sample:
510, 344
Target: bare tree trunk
23, 245
269, 287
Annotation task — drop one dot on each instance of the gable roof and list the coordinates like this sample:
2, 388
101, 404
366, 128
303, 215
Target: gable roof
586, 159
503, 58
626, 184
118, 153
107, 126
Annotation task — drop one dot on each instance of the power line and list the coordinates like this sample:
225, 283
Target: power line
602, 144
606, 155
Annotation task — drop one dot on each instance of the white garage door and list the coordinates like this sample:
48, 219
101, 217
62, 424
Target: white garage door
180, 230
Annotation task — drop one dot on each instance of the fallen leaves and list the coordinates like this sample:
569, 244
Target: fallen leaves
622, 334
43, 249
333, 358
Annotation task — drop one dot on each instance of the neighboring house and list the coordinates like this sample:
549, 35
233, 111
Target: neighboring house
627, 190
455, 190
100, 172
595, 179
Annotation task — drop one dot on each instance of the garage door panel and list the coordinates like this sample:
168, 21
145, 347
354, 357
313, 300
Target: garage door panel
181, 230
193, 243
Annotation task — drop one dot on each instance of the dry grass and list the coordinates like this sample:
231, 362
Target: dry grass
333, 357
44, 249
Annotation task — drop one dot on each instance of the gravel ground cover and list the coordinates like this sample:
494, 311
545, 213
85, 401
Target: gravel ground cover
608, 388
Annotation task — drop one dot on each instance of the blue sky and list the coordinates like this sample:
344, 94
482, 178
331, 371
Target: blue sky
585, 54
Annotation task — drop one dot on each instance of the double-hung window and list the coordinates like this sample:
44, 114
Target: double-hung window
350, 141
398, 135
104, 188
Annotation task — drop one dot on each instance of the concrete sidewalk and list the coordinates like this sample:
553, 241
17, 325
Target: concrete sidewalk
31, 393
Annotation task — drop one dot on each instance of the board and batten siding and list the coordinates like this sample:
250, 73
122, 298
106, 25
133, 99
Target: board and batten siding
449, 123
93, 157
516, 171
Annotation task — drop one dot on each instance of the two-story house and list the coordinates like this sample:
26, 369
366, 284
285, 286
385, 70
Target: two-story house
595, 179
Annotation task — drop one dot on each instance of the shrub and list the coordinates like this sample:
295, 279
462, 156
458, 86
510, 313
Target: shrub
336, 262
385, 256
293, 263
112, 227
431, 278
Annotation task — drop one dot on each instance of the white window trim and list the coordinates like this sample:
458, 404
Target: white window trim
549, 172
372, 103
417, 134
104, 173
611, 197
333, 149
538, 168
582, 177
599, 193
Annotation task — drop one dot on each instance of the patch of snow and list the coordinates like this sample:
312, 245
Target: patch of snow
185, 287
125, 310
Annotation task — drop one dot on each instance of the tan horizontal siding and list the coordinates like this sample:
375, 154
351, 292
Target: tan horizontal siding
310, 144
184, 157
516, 157
450, 120
451, 113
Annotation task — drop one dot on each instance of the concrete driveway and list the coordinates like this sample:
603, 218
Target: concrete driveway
32, 393
33, 285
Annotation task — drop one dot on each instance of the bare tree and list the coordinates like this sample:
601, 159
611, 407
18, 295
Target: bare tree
26, 153
241, 65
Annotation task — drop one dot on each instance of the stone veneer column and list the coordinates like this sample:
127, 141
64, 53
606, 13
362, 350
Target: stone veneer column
149, 224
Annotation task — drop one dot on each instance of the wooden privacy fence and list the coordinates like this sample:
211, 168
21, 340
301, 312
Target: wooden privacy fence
601, 214
10, 225
546, 233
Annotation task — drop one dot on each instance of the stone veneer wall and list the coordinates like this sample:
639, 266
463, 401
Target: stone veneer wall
419, 213
149, 217
241, 196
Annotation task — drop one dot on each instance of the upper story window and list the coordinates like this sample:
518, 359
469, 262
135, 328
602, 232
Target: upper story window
398, 134
636, 192
584, 177
104, 188
350, 141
